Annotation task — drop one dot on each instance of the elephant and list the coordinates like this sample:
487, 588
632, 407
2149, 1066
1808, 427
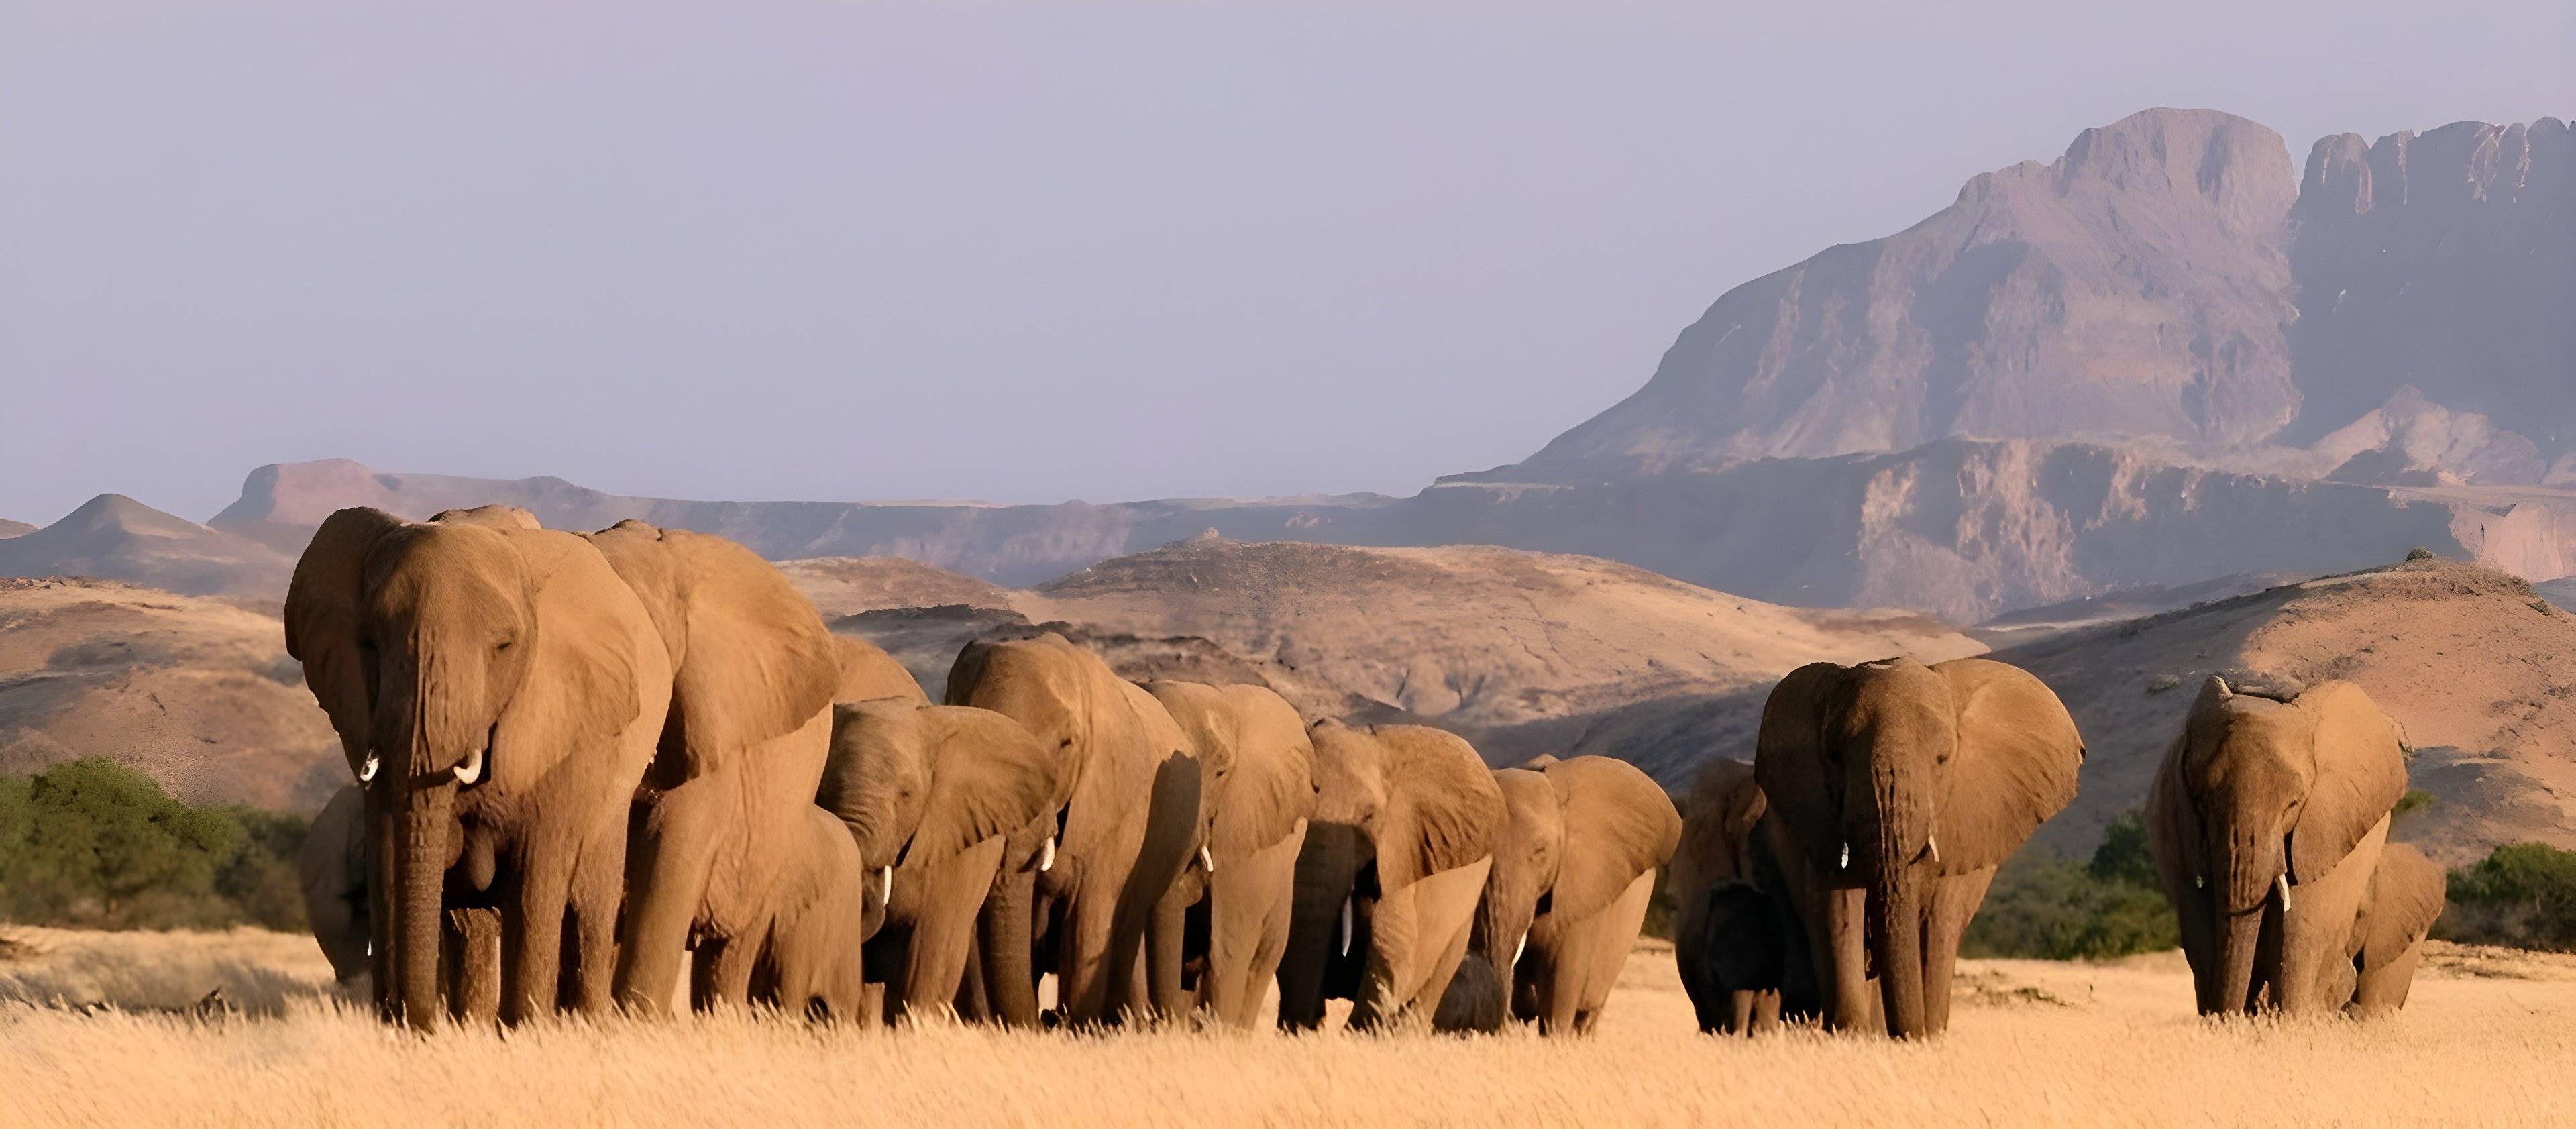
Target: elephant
331, 869
498, 690
1389, 875
1130, 825
739, 756
1895, 789
1260, 794
821, 913
1572, 872
1742, 954
2267, 819
2406, 897
929, 797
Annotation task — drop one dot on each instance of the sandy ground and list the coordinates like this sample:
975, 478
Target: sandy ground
2488, 1039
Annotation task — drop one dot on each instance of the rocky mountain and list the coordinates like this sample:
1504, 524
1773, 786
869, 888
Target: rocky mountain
115, 537
2167, 280
196, 692
2477, 669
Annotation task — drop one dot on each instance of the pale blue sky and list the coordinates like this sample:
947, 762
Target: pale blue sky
1026, 253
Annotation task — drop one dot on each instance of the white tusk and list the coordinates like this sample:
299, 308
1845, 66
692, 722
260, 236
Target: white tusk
371, 946
2284, 883
2200, 882
885, 884
1933, 845
1520, 948
1346, 927
1846, 865
1207, 860
1046, 854
367, 771
470, 769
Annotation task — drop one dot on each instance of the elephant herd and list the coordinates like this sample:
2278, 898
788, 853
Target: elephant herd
633, 770
1832, 878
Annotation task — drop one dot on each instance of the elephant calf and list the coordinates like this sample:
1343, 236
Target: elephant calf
1742, 955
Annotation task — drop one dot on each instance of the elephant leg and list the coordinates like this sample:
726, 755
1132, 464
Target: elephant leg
1445, 909
670, 861
1765, 1012
1388, 963
1004, 941
1738, 1018
532, 936
731, 971
1954, 901
1591, 957
470, 963
889, 957
1100, 946
971, 1003
1841, 957
1249, 906
2316, 933
943, 936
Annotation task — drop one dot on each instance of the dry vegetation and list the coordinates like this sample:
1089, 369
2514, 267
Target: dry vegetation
2487, 1040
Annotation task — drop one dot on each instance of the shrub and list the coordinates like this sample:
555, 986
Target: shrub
2045, 905
2420, 553
2522, 895
93, 844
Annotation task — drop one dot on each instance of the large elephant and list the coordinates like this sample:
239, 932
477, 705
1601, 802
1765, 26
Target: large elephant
1741, 951
2267, 819
331, 869
1388, 878
1260, 795
1571, 876
753, 674
2407, 893
498, 690
1895, 791
1130, 825
930, 796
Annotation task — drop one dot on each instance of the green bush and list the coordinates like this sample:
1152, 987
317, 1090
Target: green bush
2522, 895
93, 844
2045, 905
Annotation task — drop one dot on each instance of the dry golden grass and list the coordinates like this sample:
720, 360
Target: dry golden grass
2489, 1039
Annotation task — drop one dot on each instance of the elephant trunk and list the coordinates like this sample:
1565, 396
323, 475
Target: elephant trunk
1316, 923
1004, 939
1502, 930
1899, 880
382, 840
427, 819
2249, 876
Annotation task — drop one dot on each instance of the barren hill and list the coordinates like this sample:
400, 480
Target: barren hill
115, 537
195, 692
2479, 671
841, 586
10, 528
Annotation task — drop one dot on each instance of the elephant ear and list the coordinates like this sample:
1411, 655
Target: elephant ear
1443, 809
1273, 782
2015, 765
750, 657
1618, 825
989, 776
1789, 755
2406, 895
582, 685
322, 610
2361, 774
2174, 833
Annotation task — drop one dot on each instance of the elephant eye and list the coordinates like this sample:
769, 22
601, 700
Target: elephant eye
501, 646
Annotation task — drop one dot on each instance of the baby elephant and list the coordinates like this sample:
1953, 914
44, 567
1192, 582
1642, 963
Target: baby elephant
2406, 895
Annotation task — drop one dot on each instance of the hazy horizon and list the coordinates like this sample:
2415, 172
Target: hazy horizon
1017, 254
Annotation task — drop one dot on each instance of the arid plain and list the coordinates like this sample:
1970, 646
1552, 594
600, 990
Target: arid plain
2483, 1041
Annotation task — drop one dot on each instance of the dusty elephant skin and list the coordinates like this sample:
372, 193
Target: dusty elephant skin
1572, 872
1388, 878
2269, 822
497, 690
753, 671
1895, 790
1260, 794
1130, 826
931, 796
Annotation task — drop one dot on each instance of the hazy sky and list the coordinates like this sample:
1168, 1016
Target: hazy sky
1025, 253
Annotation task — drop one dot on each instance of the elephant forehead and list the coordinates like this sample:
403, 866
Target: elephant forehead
2249, 740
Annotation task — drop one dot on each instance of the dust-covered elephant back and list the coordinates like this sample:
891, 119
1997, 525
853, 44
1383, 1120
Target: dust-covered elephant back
867, 672
750, 657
